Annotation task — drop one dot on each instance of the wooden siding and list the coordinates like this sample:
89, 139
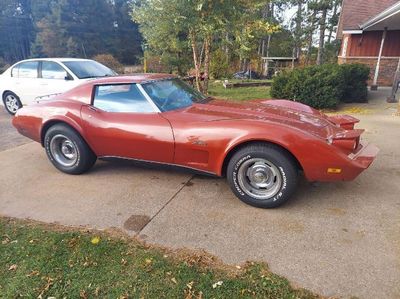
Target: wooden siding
368, 44
392, 44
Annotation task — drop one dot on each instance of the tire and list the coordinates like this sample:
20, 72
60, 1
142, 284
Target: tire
262, 175
11, 102
67, 150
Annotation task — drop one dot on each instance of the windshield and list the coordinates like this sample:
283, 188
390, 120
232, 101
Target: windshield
89, 69
172, 94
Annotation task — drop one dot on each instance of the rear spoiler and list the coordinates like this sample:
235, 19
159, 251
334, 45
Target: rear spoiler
346, 122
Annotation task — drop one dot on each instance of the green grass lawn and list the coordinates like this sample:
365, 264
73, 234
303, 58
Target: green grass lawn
38, 261
216, 89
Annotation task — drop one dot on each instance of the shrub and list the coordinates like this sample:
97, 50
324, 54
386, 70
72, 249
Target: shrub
316, 86
110, 61
322, 86
219, 67
356, 76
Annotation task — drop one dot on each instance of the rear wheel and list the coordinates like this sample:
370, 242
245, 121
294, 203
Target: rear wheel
262, 175
11, 102
67, 150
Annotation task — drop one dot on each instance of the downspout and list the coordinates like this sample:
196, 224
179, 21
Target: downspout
375, 82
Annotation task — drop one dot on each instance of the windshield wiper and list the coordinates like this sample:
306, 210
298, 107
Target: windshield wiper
99, 76
205, 100
88, 77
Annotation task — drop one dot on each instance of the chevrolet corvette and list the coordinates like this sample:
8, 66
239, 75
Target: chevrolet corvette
260, 146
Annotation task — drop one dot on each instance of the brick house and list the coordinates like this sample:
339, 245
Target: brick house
369, 31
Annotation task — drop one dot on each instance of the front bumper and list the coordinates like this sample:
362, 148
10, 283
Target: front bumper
356, 162
364, 157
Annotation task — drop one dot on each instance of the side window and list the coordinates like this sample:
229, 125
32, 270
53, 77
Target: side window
121, 98
14, 71
52, 70
28, 69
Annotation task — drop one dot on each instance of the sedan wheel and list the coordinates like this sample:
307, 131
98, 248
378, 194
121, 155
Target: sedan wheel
11, 102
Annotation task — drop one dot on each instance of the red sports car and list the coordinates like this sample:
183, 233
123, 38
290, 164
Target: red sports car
260, 146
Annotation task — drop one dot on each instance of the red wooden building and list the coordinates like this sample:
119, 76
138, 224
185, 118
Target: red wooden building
370, 34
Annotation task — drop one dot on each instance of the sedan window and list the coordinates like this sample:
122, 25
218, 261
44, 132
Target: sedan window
121, 98
52, 70
89, 69
27, 69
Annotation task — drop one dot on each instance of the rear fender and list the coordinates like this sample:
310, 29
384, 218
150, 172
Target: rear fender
63, 120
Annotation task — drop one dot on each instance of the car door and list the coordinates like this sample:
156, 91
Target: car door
53, 79
122, 122
25, 81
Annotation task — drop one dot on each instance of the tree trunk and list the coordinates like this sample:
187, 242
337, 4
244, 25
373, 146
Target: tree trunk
321, 44
196, 61
207, 59
298, 28
310, 37
335, 9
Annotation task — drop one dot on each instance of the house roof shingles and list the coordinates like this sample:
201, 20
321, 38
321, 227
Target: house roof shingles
356, 12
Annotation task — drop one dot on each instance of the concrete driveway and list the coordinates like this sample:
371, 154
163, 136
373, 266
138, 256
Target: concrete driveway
337, 239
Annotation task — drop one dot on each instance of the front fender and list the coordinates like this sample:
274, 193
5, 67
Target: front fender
313, 154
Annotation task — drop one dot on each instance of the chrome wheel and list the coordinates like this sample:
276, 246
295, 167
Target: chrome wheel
12, 103
63, 150
259, 178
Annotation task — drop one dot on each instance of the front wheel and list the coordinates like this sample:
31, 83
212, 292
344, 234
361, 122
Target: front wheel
11, 102
67, 150
262, 175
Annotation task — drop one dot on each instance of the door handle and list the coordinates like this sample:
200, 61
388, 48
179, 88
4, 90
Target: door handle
93, 108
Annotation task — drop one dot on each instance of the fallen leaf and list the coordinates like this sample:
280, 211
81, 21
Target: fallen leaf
13, 267
33, 273
217, 284
173, 279
95, 240
6, 240
49, 283
190, 285
83, 294
148, 261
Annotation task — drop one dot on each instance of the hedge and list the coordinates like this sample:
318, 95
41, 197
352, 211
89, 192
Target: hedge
323, 86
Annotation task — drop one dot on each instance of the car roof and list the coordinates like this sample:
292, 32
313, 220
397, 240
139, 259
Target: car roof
59, 59
133, 78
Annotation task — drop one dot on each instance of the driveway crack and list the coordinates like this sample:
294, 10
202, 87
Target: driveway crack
166, 204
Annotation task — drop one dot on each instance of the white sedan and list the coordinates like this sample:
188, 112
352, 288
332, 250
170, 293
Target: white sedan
32, 78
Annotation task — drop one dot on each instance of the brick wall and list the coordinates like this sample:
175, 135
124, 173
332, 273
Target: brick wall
387, 68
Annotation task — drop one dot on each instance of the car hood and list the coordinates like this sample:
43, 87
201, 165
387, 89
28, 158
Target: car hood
282, 112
